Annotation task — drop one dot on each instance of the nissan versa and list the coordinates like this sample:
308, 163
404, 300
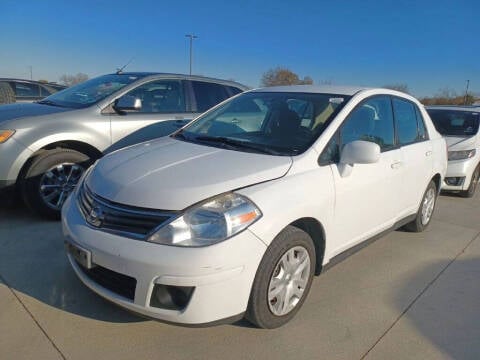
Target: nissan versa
236, 212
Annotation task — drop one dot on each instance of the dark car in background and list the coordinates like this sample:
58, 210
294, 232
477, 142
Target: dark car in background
26, 90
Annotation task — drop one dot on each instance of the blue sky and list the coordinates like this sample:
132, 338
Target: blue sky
428, 45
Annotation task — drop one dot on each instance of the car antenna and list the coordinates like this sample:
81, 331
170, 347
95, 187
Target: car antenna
120, 70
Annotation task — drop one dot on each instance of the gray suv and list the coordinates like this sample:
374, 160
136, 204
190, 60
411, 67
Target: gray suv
46, 146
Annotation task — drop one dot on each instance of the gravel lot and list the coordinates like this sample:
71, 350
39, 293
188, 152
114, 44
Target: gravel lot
406, 296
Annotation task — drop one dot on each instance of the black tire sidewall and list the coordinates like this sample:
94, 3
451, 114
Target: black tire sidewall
470, 192
30, 182
258, 311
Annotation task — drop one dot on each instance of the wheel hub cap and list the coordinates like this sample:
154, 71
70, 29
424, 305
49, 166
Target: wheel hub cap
427, 206
288, 281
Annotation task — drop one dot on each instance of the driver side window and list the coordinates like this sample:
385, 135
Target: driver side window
371, 120
161, 96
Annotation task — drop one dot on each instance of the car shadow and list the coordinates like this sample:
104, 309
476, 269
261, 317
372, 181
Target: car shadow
33, 264
447, 314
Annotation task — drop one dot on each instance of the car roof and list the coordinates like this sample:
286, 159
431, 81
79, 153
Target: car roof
32, 82
321, 89
472, 108
183, 76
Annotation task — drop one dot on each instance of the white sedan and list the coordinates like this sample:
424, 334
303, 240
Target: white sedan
234, 214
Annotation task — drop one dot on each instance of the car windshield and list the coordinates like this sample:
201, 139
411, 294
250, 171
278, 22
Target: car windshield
455, 122
276, 123
90, 91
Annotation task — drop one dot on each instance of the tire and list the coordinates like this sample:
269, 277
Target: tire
52, 174
429, 200
473, 184
7, 96
291, 242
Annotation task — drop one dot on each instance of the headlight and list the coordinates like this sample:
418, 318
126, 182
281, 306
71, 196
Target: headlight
209, 223
461, 155
5, 135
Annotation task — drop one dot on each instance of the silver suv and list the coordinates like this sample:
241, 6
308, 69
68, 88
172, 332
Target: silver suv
46, 146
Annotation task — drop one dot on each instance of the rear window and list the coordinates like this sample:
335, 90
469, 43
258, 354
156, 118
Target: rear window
455, 122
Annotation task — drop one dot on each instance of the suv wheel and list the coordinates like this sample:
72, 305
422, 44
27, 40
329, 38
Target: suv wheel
49, 180
283, 279
473, 184
425, 212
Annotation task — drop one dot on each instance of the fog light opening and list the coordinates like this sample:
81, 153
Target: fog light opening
454, 181
171, 297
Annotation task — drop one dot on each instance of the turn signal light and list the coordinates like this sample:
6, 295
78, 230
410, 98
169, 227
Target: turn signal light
5, 135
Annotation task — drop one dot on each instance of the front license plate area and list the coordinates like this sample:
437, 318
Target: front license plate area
82, 256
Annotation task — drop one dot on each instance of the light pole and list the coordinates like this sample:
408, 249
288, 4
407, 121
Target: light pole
191, 36
466, 93
31, 73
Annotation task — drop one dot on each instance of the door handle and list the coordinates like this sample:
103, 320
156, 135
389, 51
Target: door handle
396, 165
428, 153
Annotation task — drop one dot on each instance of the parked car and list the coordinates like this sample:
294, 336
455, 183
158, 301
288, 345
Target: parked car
27, 90
233, 214
459, 125
46, 146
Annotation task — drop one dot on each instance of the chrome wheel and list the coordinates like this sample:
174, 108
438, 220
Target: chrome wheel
58, 182
428, 205
289, 281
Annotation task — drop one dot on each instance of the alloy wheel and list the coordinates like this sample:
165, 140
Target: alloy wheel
58, 182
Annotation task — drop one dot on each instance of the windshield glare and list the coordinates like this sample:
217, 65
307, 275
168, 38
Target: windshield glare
455, 122
90, 91
274, 123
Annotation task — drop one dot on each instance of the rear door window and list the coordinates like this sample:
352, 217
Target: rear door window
207, 94
406, 121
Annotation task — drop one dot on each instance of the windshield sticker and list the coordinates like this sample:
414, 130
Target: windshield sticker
336, 100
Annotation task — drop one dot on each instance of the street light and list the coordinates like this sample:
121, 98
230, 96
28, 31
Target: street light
191, 36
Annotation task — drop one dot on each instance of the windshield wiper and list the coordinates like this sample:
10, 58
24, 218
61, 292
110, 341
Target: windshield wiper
235, 144
49, 102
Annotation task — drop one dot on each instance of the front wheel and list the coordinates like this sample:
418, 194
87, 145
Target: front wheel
283, 279
425, 212
49, 180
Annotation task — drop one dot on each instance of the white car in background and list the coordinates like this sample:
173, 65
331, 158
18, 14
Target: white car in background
235, 213
459, 125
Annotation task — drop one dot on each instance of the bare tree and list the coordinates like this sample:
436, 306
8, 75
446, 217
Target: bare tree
70, 80
283, 76
399, 87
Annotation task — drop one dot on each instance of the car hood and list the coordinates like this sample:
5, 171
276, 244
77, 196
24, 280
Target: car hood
460, 142
170, 174
16, 111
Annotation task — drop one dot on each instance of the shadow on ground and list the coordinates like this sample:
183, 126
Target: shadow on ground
448, 313
33, 263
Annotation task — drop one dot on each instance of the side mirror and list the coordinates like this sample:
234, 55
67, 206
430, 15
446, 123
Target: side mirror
128, 103
358, 152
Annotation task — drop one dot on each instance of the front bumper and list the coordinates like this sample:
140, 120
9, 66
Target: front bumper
221, 274
460, 169
13, 156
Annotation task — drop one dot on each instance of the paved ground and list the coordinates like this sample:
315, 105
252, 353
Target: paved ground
406, 296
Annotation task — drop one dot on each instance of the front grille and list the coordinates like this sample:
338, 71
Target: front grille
120, 284
127, 220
